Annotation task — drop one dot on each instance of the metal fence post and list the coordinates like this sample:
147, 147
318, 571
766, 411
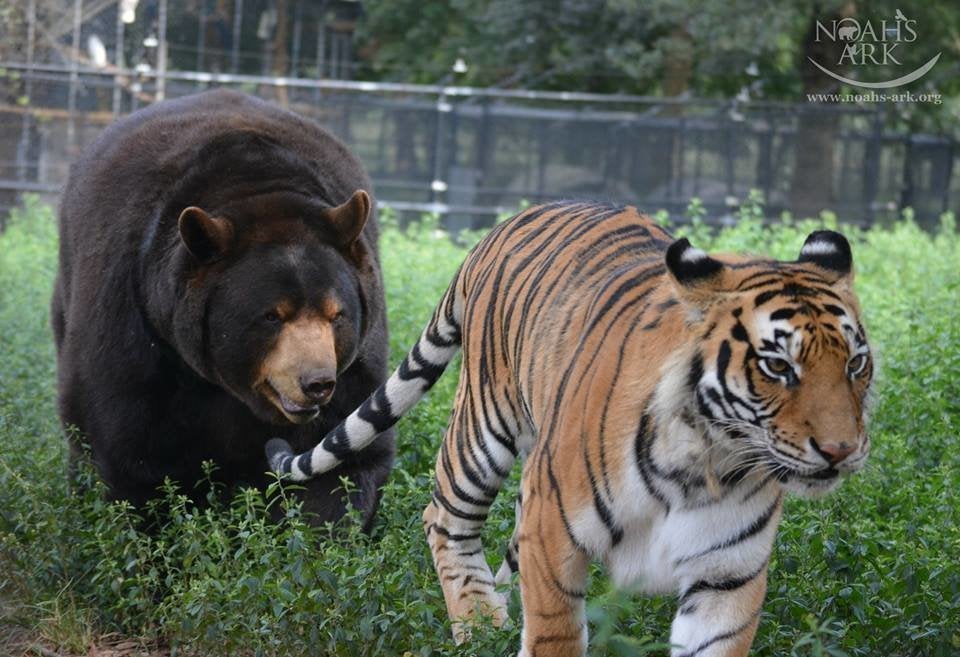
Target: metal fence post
678, 145
948, 174
321, 46
119, 63
74, 75
728, 153
452, 129
297, 33
871, 167
765, 156
235, 46
201, 32
162, 51
26, 124
543, 156
438, 185
483, 144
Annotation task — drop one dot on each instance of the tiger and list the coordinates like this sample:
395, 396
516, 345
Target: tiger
662, 402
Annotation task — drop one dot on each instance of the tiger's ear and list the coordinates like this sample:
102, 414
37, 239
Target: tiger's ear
695, 274
346, 221
830, 251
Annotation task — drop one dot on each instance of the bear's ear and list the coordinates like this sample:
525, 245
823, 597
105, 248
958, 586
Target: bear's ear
829, 251
347, 220
207, 238
695, 274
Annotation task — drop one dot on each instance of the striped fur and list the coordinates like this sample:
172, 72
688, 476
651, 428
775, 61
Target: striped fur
662, 401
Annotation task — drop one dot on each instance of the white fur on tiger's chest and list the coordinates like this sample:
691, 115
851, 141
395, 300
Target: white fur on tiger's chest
667, 551
672, 531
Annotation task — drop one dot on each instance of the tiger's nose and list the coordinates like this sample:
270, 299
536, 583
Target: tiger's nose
318, 384
834, 453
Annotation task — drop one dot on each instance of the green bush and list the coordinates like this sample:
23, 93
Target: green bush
870, 570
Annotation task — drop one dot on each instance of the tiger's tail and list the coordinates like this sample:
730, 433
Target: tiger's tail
420, 369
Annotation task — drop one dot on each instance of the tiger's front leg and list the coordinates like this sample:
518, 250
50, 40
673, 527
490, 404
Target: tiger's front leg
718, 618
553, 580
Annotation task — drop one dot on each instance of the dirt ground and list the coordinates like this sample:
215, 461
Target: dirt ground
16, 642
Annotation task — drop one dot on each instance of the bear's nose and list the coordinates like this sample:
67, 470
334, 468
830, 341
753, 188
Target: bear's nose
318, 384
833, 452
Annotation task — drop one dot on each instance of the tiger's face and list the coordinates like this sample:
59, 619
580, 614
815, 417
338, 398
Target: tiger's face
782, 372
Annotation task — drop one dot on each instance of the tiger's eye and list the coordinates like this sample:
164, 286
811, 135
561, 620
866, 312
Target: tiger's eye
776, 368
856, 364
778, 365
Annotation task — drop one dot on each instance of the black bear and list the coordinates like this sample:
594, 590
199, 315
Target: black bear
219, 285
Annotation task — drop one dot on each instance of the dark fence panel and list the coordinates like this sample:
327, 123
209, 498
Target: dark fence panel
470, 154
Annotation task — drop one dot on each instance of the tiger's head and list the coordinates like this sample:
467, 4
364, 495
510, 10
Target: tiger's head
780, 369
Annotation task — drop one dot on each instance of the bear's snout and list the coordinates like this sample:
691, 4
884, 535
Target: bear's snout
317, 384
299, 373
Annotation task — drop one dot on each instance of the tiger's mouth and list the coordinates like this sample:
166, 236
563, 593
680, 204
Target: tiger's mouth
793, 474
785, 473
807, 484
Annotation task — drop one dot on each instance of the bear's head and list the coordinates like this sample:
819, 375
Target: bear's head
274, 298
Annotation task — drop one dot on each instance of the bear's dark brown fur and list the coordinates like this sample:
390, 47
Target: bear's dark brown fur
219, 285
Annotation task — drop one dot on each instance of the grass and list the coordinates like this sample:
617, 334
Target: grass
870, 570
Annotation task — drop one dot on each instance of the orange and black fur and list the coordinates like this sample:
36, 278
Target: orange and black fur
662, 400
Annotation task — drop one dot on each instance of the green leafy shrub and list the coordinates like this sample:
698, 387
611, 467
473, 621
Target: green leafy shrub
871, 570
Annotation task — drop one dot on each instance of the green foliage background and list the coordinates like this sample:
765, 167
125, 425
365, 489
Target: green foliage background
704, 49
871, 570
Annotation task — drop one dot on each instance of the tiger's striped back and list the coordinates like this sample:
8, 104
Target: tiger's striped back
550, 277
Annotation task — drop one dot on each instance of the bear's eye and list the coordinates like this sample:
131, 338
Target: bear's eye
271, 316
340, 315
775, 368
856, 365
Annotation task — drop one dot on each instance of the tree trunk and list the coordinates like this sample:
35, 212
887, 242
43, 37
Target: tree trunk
677, 73
678, 67
813, 168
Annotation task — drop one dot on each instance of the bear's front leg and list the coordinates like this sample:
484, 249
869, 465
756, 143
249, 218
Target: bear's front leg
719, 618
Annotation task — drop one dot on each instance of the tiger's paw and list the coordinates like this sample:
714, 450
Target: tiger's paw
492, 610
278, 451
